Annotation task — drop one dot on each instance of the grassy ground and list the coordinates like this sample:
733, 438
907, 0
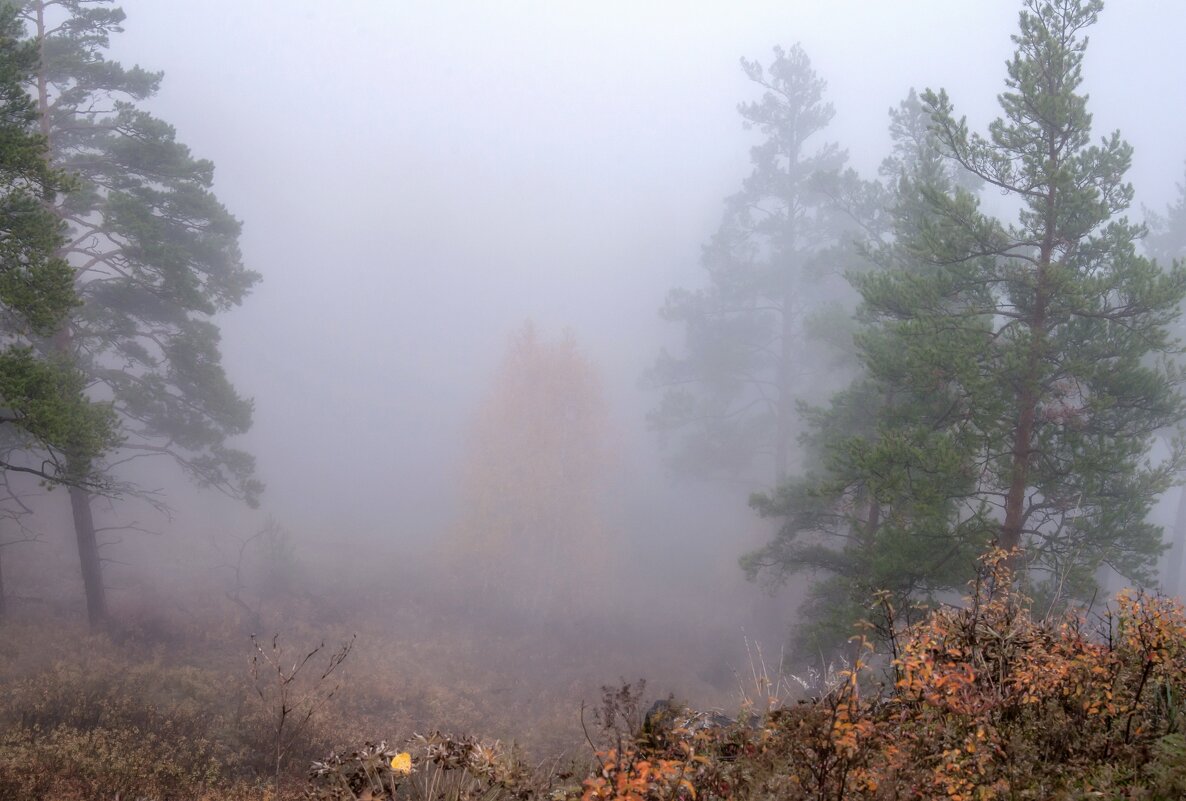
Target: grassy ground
166, 703
175, 701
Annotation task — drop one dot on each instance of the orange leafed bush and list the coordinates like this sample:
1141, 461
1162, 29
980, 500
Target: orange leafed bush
628, 777
982, 702
988, 701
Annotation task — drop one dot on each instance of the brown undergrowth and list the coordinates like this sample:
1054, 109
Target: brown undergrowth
979, 701
165, 703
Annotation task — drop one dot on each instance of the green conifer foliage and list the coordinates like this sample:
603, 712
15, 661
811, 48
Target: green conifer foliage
729, 403
1166, 242
40, 394
1023, 365
887, 504
44, 416
154, 256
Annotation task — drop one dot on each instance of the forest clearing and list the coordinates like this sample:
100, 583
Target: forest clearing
397, 487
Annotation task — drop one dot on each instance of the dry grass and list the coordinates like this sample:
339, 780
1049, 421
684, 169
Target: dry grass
163, 704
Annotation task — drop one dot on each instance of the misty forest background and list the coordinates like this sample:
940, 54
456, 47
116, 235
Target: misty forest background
521, 348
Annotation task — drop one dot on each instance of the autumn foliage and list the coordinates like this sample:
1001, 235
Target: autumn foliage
533, 481
981, 701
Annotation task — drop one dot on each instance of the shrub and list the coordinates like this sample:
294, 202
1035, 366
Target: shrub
103, 719
984, 702
100, 762
436, 767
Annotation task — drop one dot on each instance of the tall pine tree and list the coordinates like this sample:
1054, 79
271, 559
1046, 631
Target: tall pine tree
1075, 355
155, 257
1040, 346
730, 398
42, 408
1166, 242
878, 510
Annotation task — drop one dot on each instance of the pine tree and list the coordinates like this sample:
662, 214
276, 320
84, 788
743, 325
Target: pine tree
1074, 366
730, 398
154, 255
1025, 366
878, 510
1166, 242
41, 394
42, 408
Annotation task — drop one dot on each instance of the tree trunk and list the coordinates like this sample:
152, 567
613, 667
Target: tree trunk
873, 518
1010, 538
42, 85
786, 400
1027, 412
782, 427
80, 499
3, 601
88, 556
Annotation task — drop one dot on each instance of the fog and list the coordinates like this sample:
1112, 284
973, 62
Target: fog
416, 180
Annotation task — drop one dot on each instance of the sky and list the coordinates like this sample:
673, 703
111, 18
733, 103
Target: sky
416, 179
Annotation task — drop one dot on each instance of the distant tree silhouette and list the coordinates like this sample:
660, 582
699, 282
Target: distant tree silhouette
531, 532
